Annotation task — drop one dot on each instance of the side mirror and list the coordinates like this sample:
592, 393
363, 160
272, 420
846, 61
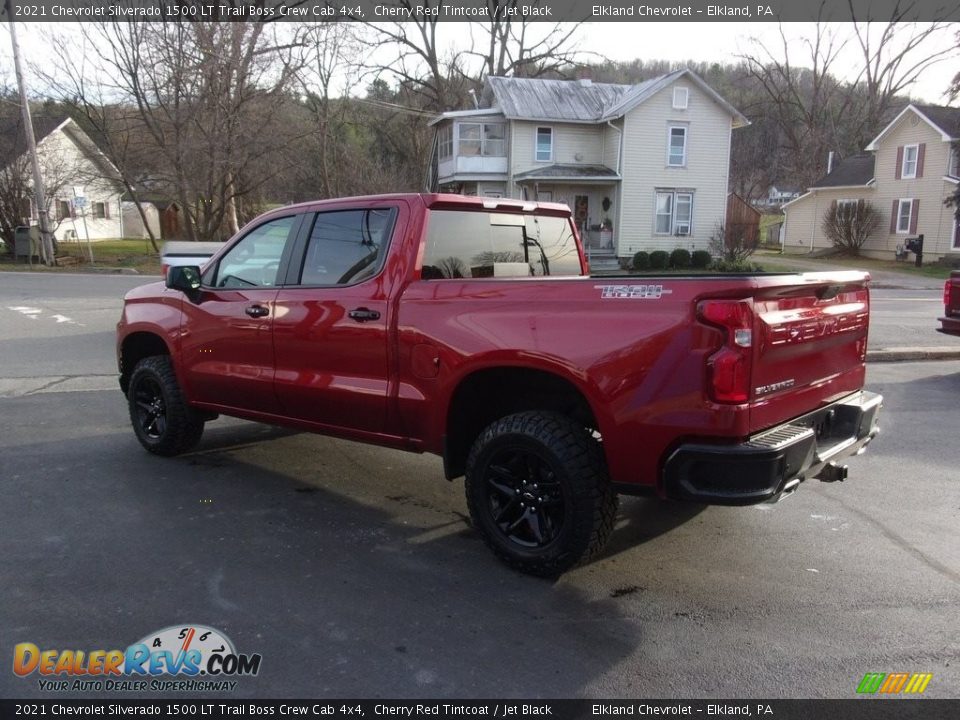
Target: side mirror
185, 278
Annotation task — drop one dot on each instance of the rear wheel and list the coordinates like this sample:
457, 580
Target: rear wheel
162, 420
538, 492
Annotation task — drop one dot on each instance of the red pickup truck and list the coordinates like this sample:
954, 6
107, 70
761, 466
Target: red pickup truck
470, 328
950, 322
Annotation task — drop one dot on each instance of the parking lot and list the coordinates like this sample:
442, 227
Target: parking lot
354, 572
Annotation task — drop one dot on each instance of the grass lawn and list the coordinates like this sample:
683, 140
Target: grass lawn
136, 254
769, 263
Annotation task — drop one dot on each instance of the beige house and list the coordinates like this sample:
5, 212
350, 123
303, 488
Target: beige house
642, 167
906, 173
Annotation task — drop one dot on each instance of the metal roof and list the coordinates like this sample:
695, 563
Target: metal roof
560, 171
584, 101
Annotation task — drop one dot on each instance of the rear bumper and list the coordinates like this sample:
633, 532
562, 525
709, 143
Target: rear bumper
949, 325
777, 460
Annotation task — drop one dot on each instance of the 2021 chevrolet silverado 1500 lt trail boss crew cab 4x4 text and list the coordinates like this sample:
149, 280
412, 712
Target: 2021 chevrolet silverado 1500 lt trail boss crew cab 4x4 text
470, 328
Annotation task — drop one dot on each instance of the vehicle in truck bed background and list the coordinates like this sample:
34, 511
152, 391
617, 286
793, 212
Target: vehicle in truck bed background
470, 328
950, 322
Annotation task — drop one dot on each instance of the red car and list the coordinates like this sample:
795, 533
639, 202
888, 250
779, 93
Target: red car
950, 322
471, 328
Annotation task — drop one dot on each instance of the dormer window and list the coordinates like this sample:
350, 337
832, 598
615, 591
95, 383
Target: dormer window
681, 97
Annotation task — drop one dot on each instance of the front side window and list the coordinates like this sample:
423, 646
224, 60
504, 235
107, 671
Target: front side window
347, 246
677, 152
544, 144
464, 244
255, 260
904, 215
910, 153
674, 213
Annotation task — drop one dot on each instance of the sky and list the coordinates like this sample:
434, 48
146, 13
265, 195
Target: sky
715, 42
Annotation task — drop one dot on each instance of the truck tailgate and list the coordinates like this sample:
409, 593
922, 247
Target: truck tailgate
809, 344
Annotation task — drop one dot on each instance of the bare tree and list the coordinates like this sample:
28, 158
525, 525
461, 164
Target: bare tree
893, 60
512, 44
807, 102
207, 101
733, 244
850, 224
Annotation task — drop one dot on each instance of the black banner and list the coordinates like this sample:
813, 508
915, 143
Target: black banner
858, 709
480, 10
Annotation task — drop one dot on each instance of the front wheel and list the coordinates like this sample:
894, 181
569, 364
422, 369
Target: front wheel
538, 491
162, 420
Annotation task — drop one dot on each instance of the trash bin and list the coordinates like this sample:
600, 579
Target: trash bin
26, 243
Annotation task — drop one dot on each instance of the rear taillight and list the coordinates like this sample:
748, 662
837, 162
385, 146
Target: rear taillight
728, 369
946, 296
163, 269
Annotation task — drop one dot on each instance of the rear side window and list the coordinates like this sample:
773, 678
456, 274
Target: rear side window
347, 246
463, 244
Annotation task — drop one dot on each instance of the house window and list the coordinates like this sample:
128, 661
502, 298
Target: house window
681, 96
846, 206
445, 141
544, 144
677, 146
99, 210
954, 165
956, 233
482, 139
674, 213
63, 209
904, 215
909, 168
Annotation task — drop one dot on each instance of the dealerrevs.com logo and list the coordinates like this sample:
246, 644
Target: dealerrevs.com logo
178, 658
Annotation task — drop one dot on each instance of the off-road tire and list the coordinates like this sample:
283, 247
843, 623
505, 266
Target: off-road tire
181, 427
574, 462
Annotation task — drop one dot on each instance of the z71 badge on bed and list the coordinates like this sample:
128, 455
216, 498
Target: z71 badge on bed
632, 292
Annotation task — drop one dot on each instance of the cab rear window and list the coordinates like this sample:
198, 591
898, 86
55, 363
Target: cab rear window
464, 244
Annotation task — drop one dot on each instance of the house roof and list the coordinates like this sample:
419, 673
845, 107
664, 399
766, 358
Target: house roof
945, 120
561, 171
851, 171
584, 101
13, 140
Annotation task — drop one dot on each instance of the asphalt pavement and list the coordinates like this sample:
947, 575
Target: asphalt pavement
354, 572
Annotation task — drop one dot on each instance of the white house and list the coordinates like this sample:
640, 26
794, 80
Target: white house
906, 173
82, 186
643, 167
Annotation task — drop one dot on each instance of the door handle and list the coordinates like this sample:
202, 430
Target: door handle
256, 311
364, 314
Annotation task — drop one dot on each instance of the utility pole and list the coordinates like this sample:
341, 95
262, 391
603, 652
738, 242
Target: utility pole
46, 243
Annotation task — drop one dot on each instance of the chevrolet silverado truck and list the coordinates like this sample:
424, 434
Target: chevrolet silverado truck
950, 322
471, 328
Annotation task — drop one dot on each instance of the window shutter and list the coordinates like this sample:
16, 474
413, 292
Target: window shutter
921, 151
913, 216
73, 210
899, 162
893, 216
106, 209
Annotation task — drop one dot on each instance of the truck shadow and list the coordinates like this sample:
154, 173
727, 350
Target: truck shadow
641, 520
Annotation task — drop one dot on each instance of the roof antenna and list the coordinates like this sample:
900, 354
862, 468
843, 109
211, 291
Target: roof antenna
473, 95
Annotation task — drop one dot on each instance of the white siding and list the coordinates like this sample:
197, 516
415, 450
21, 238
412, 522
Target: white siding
645, 169
569, 142
611, 145
64, 167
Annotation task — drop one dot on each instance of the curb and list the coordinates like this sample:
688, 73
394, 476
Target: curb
911, 354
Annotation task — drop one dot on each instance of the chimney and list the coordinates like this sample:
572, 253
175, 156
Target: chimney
830, 162
473, 96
